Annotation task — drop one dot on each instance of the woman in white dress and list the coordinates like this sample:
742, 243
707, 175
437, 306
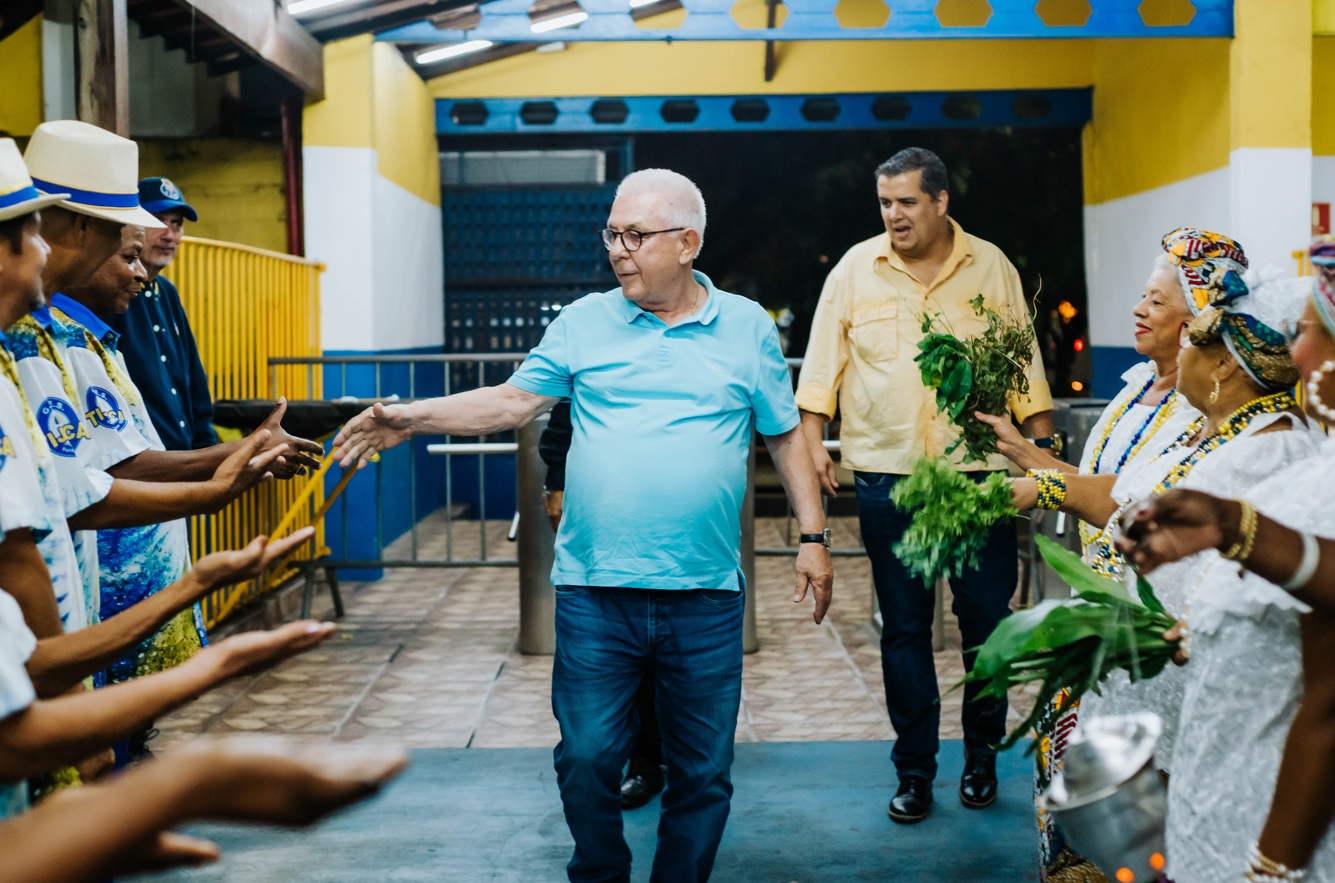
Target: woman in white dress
1147, 401
1258, 724
1235, 368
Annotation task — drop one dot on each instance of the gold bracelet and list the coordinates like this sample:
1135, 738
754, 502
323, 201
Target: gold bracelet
1242, 549
1264, 869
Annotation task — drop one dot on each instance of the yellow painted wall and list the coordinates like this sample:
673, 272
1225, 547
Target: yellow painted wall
1161, 114
373, 99
346, 116
21, 80
1323, 87
235, 185
405, 126
1270, 86
1323, 17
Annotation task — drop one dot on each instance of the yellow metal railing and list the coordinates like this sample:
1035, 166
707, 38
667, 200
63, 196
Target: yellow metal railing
1304, 262
247, 305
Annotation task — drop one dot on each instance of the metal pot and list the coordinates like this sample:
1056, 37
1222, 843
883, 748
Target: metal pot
1109, 799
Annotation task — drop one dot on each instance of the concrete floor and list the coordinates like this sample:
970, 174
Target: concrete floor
429, 659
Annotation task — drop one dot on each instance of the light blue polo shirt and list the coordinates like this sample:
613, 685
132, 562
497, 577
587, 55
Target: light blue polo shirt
662, 419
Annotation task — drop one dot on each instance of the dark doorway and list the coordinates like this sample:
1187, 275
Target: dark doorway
783, 208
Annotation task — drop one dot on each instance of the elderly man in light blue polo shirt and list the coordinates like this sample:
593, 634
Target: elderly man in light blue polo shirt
667, 378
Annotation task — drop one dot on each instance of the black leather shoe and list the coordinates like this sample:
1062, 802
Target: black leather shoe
912, 801
642, 782
978, 785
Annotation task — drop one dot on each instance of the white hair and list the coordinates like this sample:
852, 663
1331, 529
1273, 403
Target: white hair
1164, 262
679, 200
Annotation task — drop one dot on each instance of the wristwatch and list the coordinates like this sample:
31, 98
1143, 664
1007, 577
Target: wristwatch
823, 538
1051, 443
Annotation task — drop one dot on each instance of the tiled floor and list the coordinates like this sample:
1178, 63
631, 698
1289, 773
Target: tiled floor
429, 659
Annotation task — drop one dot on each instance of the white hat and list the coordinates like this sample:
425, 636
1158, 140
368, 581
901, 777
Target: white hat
17, 195
99, 171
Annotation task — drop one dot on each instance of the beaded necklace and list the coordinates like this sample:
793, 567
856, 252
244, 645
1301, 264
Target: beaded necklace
1166, 408
1235, 424
1103, 557
1108, 427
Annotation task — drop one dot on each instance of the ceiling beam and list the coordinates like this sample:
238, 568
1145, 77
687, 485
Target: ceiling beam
265, 32
380, 16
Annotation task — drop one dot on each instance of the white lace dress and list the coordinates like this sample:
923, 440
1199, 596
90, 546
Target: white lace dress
1231, 470
1132, 430
1244, 685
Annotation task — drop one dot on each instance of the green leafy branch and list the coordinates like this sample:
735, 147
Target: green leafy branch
951, 514
1074, 643
978, 373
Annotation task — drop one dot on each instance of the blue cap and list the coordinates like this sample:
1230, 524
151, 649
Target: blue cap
159, 195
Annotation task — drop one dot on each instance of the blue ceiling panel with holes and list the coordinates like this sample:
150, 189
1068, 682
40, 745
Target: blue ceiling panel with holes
908, 110
513, 21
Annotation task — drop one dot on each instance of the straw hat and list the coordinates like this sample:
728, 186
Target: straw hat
99, 171
17, 195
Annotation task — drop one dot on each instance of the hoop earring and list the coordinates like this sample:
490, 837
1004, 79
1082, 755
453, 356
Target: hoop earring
1214, 396
1323, 411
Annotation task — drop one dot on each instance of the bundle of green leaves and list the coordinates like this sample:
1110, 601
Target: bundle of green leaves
1074, 643
976, 374
951, 515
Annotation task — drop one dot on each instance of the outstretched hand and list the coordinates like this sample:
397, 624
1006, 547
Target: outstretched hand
1172, 526
249, 652
278, 782
237, 565
251, 463
301, 454
378, 428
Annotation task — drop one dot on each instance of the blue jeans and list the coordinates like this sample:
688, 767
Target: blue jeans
981, 600
690, 642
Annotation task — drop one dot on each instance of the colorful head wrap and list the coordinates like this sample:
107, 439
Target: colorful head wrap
1200, 256
1322, 253
1255, 323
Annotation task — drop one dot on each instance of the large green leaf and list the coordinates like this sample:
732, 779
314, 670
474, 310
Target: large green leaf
1147, 596
1077, 574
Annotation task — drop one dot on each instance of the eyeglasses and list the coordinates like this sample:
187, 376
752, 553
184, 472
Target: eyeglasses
630, 239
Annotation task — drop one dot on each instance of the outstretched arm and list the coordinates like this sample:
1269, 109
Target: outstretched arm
1019, 450
476, 412
60, 662
1183, 522
124, 823
202, 464
132, 503
1087, 496
59, 732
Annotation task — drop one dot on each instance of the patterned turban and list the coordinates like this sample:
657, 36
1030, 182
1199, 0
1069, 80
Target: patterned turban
1204, 260
1255, 323
1322, 253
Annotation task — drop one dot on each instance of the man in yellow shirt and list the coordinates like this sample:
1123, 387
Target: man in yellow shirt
864, 338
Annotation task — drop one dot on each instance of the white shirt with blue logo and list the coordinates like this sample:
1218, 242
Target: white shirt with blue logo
22, 505
17, 644
73, 452
56, 543
135, 562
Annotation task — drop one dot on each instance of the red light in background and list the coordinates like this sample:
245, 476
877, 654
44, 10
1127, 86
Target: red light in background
1079, 345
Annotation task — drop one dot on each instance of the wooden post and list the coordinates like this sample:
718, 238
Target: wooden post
101, 65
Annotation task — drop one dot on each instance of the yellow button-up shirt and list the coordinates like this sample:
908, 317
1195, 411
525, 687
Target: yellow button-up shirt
865, 336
